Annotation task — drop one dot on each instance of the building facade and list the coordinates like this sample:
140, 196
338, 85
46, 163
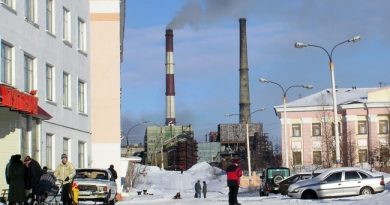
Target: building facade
45, 54
363, 115
107, 27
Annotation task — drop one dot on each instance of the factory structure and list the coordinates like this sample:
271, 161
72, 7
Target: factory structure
173, 147
170, 146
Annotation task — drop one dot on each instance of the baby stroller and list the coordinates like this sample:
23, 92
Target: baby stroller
48, 192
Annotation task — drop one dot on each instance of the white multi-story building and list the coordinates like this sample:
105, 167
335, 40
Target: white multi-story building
45, 49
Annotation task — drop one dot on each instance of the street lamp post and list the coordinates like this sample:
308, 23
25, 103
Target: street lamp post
263, 80
128, 132
247, 141
331, 67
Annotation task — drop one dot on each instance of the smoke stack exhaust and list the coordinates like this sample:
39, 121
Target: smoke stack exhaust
169, 79
244, 76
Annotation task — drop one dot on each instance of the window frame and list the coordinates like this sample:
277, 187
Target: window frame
9, 3
81, 96
66, 91
49, 150
66, 25
362, 124
50, 16
30, 10
29, 74
296, 127
81, 35
81, 154
297, 161
7, 48
363, 155
383, 126
317, 162
50, 83
315, 127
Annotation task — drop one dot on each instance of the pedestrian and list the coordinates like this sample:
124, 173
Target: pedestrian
204, 189
32, 175
65, 172
113, 172
234, 173
15, 173
198, 189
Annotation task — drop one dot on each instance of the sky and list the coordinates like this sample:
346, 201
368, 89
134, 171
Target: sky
206, 56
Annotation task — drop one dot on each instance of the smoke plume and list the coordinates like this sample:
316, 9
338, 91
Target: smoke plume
198, 13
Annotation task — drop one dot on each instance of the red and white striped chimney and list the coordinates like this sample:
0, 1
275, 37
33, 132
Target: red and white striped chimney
170, 79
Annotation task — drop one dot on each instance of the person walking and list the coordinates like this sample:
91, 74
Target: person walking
198, 189
15, 173
33, 174
234, 173
65, 172
113, 172
204, 189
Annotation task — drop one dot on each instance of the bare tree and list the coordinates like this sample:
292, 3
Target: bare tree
349, 149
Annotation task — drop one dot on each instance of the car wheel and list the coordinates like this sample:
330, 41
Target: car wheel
366, 191
309, 195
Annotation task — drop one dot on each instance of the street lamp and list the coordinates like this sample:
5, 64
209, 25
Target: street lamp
331, 67
263, 80
247, 140
128, 132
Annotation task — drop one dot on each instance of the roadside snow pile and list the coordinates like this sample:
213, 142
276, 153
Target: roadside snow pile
165, 184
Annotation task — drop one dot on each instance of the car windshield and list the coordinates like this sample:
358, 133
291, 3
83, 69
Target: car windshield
91, 174
271, 173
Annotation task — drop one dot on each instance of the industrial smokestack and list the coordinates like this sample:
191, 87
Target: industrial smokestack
169, 79
244, 77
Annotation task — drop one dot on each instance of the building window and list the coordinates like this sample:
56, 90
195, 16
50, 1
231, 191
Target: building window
81, 96
28, 73
81, 156
50, 16
49, 151
65, 144
66, 89
297, 160
317, 158
9, 3
81, 37
6, 66
362, 156
30, 7
296, 130
383, 126
66, 25
362, 127
316, 129
49, 83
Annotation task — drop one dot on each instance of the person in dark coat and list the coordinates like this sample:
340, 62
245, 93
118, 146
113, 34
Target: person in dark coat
15, 172
198, 189
113, 172
33, 173
234, 173
204, 189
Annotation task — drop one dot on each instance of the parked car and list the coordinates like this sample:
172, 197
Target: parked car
96, 185
271, 178
337, 182
285, 184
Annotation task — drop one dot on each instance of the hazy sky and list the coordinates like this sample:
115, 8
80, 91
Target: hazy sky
206, 56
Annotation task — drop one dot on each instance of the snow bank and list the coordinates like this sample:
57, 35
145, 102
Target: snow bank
165, 184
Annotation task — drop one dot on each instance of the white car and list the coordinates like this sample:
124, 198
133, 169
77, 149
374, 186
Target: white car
96, 185
343, 181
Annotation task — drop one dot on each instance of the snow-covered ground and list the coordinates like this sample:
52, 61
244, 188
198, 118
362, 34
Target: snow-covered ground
163, 185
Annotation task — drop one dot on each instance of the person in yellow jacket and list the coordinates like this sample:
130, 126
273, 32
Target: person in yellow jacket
65, 172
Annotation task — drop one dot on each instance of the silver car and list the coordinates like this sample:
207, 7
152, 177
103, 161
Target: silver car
96, 185
337, 182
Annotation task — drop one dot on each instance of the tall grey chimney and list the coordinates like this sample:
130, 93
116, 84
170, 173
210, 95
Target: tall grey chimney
245, 109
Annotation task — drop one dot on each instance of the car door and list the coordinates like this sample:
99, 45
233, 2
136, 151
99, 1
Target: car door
330, 186
351, 183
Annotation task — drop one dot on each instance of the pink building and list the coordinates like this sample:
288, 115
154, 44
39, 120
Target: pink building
363, 115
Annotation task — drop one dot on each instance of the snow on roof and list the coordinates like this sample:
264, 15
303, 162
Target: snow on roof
324, 97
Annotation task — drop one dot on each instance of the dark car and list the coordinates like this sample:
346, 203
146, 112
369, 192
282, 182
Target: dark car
271, 178
283, 185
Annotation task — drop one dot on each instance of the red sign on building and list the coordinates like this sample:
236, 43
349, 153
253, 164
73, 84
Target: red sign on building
14, 99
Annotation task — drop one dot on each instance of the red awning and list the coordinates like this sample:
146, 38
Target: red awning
42, 114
